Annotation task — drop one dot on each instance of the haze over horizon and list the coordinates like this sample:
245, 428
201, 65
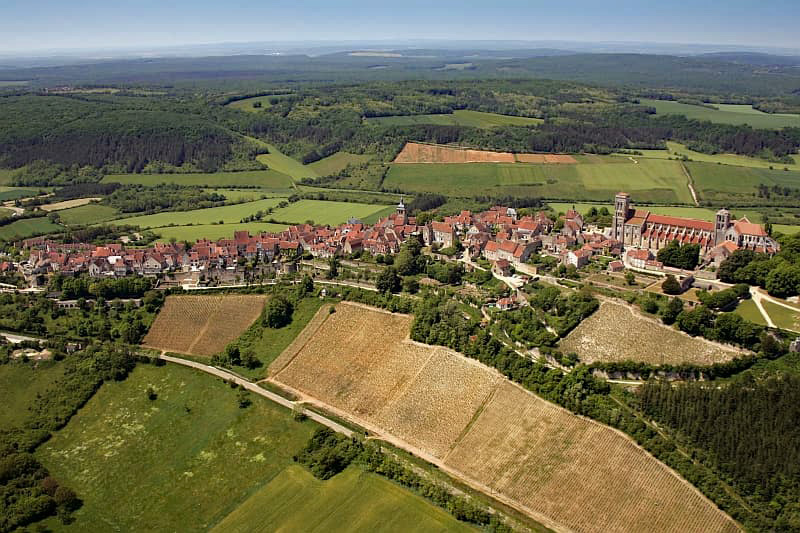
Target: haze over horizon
51, 25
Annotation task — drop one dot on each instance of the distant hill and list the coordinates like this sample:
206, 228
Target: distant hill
754, 58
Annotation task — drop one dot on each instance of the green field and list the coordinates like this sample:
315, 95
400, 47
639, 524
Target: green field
192, 460
333, 164
284, 164
88, 214
5, 212
462, 117
12, 193
787, 230
5, 176
593, 178
227, 213
782, 317
700, 213
724, 183
747, 309
678, 150
267, 179
247, 195
214, 231
726, 114
30, 227
20, 383
351, 501
333, 213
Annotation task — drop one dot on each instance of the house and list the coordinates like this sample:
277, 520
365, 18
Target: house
616, 266
443, 233
638, 258
501, 267
576, 258
505, 304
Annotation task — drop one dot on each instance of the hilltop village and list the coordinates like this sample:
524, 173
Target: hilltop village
498, 235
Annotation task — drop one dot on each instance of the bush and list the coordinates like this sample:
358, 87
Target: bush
670, 285
278, 312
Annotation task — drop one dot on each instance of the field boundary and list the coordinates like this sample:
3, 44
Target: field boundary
303, 338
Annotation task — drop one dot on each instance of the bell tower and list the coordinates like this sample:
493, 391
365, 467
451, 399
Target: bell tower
622, 204
722, 223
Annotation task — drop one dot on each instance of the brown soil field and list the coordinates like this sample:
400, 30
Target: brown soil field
578, 472
202, 325
618, 333
66, 204
434, 153
467, 419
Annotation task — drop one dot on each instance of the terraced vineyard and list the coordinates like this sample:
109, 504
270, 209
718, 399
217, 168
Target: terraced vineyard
560, 469
202, 325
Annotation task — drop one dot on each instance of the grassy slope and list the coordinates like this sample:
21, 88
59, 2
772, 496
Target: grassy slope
27, 228
475, 119
5, 176
5, 212
19, 385
726, 114
192, 457
676, 149
12, 193
782, 317
325, 212
268, 343
228, 214
748, 310
284, 164
267, 179
351, 501
214, 231
337, 162
88, 214
590, 179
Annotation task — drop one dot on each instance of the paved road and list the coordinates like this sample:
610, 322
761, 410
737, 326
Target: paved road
16, 338
252, 387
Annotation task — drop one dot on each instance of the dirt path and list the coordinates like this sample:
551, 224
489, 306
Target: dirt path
690, 182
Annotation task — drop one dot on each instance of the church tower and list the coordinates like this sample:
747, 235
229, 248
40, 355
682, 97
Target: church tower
723, 222
622, 204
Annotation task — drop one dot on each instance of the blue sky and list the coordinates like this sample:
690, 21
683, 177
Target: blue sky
41, 24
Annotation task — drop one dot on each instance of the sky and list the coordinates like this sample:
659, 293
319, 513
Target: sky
27, 25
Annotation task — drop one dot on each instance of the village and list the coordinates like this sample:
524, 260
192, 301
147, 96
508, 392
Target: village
512, 245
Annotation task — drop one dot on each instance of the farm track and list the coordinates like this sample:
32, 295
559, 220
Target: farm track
690, 183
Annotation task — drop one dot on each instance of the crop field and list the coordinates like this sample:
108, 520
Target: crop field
227, 213
88, 214
326, 212
66, 204
579, 474
284, 164
13, 193
726, 114
721, 183
213, 231
617, 333
266, 179
678, 150
202, 325
460, 117
351, 501
599, 180
337, 162
30, 227
416, 153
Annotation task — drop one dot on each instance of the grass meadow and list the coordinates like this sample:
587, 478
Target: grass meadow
284, 164
20, 383
226, 214
247, 103
214, 231
782, 317
724, 183
266, 179
30, 227
192, 459
593, 178
12, 193
5, 176
337, 162
678, 150
88, 214
462, 117
726, 114
326, 212
748, 310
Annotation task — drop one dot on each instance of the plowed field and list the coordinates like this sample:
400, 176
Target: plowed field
432, 153
202, 325
547, 462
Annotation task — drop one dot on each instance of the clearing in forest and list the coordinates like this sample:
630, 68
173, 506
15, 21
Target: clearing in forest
558, 468
616, 332
202, 325
435, 153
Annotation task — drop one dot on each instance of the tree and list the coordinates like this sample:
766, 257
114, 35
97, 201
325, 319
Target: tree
671, 311
306, 286
333, 268
388, 281
670, 285
411, 285
784, 280
278, 312
630, 279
